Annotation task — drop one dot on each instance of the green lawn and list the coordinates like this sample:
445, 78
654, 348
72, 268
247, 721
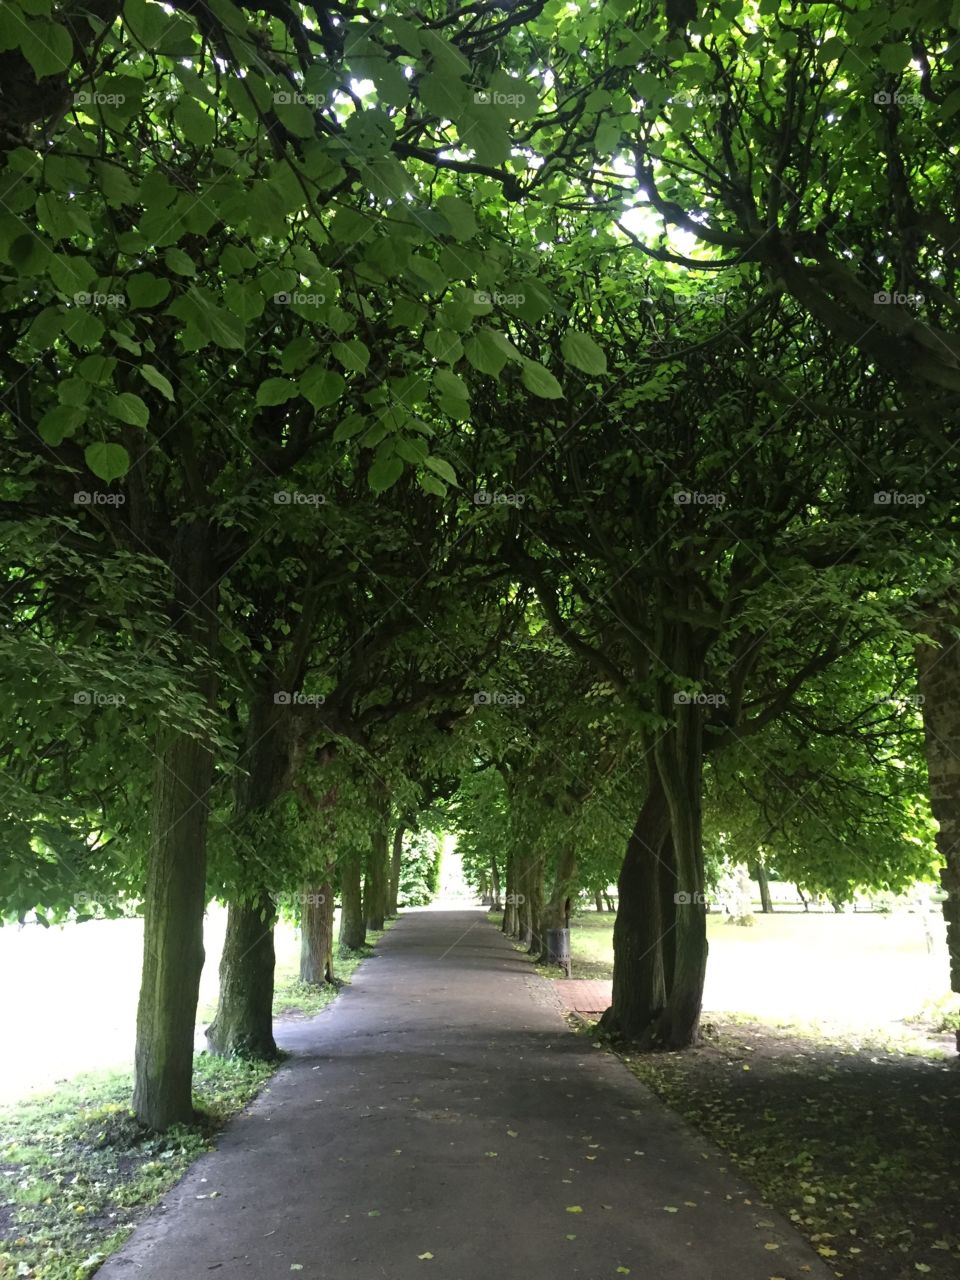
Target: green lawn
76, 1170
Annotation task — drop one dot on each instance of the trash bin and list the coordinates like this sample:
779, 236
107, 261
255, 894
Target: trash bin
558, 948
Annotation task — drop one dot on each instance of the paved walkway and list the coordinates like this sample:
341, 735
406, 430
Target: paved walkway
440, 1122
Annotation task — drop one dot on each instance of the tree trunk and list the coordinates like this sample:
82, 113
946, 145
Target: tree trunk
495, 884
396, 864
316, 935
598, 901
537, 942
375, 884
175, 891
556, 910
679, 761
353, 932
511, 917
938, 668
639, 988
243, 1026
760, 875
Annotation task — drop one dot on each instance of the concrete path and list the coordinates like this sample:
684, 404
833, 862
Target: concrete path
440, 1122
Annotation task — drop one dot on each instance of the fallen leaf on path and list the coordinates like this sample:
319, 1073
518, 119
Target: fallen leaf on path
574, 1208
424, 1256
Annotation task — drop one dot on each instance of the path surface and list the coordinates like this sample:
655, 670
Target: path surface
442, 1107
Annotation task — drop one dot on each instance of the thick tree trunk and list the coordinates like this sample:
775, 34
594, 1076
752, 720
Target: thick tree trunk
243, 1026
556, 914
598, 901
316, 934
938, 668
495, 885
174, 902
760, 874
535, 882
396, 864
679, 762
639, 987
511, 916
353, 931
375, 883
175, 892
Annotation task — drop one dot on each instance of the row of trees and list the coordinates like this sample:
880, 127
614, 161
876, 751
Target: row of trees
481, 401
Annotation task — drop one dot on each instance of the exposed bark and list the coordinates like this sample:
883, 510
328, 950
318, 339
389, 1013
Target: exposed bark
598, 901
316, 934
495, 884
556, 910
639, 986
396, 865
511, 917
353, 931
175, 894
760, 875
535, 883
243, 1026
375, 885
938, 668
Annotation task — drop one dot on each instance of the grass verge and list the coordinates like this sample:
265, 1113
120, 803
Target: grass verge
77, 1172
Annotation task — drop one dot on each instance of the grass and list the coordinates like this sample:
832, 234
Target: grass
77, 1172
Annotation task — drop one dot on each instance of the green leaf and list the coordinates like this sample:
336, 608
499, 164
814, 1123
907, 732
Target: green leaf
540, 381
156, 379
442, 468
144, 289
459, 215
322, 387
485, 353
128, 407
449, 384
276, 391
47, 46
108, 461
180, 263
384, 472
353, 355
580, 350
60, 421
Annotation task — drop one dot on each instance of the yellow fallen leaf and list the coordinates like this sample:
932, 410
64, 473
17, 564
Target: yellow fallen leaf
669, 1208
574, 1208
424, 1256
511, 1133
770, 1245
